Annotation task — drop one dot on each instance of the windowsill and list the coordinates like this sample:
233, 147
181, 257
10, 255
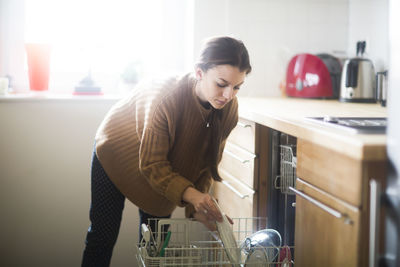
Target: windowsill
46, 96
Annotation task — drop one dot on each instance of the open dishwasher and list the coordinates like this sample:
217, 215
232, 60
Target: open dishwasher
282, 175
186, 242
189, 243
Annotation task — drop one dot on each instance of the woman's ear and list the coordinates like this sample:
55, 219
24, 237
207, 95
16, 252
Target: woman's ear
199, 74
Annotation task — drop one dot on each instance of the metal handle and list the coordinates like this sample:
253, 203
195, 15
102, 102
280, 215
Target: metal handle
233, 155
278, 177
234, 190
324, 207
374, 222
241, 124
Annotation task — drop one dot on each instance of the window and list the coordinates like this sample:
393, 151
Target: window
105, 38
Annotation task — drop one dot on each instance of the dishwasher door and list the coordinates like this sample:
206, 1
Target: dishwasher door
282, 174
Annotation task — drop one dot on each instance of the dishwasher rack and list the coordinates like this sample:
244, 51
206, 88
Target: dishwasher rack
288, 166
191, 244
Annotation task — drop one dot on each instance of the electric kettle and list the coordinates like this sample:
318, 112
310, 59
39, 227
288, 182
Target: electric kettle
358, 78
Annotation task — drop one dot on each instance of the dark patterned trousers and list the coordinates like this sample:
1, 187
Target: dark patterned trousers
107, 204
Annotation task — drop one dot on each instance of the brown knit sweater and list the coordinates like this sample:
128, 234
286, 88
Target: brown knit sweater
153, 143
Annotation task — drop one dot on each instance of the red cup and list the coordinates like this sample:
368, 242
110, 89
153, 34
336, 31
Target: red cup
38, 56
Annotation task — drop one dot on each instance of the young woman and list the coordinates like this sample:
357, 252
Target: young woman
160, 147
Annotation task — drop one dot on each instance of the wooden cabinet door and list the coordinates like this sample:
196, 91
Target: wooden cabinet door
330, 171
321, 239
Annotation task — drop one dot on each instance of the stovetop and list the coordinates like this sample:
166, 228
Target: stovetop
364, 125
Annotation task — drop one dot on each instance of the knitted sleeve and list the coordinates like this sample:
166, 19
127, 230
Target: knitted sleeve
154, 163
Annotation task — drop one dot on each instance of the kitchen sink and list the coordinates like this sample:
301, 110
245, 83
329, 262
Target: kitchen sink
361, 125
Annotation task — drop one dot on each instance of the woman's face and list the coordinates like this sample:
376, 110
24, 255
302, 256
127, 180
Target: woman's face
219, 84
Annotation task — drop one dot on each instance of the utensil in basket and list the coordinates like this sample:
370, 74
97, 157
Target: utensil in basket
165, 244
148, 237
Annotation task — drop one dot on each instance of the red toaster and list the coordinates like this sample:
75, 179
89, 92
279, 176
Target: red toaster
313, 76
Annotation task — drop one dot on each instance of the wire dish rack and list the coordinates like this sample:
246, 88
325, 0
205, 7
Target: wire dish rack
287, 178
191, 244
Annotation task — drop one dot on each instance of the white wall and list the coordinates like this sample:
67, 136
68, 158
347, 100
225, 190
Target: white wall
45, 152
369, 22
274, 31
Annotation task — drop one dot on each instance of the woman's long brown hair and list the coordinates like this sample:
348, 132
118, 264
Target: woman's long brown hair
221, 51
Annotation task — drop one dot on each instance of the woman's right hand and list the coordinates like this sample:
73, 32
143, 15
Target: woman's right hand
202, 203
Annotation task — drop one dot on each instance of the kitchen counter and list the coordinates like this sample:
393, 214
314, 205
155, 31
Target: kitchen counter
288, 115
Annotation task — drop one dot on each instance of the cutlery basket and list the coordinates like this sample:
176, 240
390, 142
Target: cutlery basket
288, 164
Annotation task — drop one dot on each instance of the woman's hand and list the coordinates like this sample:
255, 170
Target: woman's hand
202, 203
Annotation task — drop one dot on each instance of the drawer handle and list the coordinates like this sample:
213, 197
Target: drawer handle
331, 211
244, 125
233, 155
375, 192
234, 190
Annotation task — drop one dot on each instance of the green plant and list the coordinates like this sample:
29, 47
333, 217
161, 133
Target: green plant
131, 72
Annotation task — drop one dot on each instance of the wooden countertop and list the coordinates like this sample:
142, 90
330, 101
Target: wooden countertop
288, 115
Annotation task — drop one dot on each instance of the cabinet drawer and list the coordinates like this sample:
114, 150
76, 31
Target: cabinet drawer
239, 162
330, 171
322, 239
235, 199
243, 135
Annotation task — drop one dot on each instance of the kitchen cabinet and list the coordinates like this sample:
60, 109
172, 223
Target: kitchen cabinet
334, 169
240, 194
321, 239
332, 206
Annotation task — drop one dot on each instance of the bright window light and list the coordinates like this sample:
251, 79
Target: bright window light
98, 36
